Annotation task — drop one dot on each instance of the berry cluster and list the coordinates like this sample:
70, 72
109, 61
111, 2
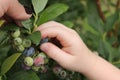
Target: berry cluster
20, 43
34, 59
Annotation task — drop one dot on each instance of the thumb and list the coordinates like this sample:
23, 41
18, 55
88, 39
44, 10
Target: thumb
56, 53
17, 11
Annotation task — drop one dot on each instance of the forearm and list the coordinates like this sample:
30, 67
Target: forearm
96, 68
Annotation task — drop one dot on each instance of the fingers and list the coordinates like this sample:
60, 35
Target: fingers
59, 31
57, 54
13, 9
17, 11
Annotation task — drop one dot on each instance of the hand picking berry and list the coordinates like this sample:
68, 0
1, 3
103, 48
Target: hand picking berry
44, 40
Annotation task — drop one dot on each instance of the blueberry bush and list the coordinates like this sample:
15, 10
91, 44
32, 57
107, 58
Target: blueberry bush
96, 21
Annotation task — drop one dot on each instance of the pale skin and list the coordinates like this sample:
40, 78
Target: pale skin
74, 55
13, 9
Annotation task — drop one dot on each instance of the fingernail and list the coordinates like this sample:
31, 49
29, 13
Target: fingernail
28, 10
44, 47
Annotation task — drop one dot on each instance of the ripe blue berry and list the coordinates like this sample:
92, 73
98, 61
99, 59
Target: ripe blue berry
29, 51
28, 61
44, 40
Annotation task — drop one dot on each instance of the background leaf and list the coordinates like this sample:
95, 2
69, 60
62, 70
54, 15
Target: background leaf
93, 16
111, 20
9, 62
39, 5
51, 13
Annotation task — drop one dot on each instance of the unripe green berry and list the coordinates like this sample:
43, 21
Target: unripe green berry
28, 61
26, 43
46, 59
63, 74
20, 48
16, 34
18, 41
42, 55
36, 68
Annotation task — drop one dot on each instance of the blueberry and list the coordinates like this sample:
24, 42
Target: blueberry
44, 40
29, 51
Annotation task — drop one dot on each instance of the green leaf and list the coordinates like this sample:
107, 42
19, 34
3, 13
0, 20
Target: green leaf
39, 5
28, 24
10, 27
93, 16
24, 75
35, 37
4, 49
52, 12
111, 20
9, 62
3, 36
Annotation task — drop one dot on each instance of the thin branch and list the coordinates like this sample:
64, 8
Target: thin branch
118, 5
101, 14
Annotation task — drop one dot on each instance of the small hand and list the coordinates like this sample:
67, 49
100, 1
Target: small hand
13, 9
73, 50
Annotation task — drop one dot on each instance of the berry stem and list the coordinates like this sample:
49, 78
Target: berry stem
35, 22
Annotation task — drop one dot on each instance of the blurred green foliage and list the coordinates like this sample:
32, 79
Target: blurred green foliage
98, 23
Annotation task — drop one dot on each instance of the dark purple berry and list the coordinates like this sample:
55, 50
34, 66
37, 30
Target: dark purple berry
29, 51
44, 40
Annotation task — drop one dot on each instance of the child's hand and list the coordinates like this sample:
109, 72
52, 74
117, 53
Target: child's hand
73, 51
13, 9
74, 55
